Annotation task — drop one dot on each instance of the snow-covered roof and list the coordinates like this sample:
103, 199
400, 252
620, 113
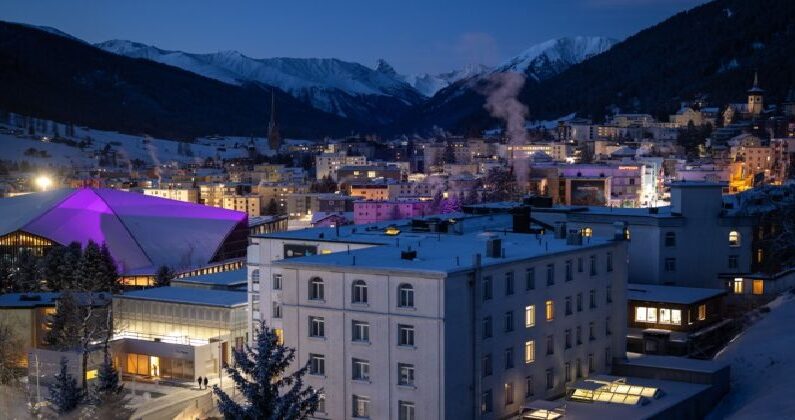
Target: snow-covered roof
188, 295
28, 300
670, 294
224, 278
142, 232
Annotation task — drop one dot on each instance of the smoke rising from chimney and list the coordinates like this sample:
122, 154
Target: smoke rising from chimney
501, 93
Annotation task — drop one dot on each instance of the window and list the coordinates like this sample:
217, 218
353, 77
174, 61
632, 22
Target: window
317, 364
509, 393
567, 340
592, 299
644, 314
579, 265
530, 279
316, 290
359, 292
579, 302
578, 368
550, 310
360, 331
592, 265
568, 306
609, 262
550, 274
509, 358
406, 410
486, 327
255, 277
591, 363
627, 235
760, 254
485, 402
486, 288
702, 312
609, 294
670, 239
734, 238
405, 335
361, 406
579, 335
317, 326
550, 379
670, 264
277, 310
587, 232
567, 369
405, 296
485, 365
670, 316
608, 329
738, 286
733, 261
529, 316
529, 351
405, 374
550, 344
591, 331
509, 283
608, 356
321, 403
758, 287
569, 271
361, 370
508, 321
277, 281
529, 386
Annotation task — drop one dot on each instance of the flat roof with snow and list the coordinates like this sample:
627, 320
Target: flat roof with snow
670, 294
224, 278
191, 296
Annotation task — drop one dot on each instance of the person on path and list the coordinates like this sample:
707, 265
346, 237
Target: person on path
205, 382
199, 380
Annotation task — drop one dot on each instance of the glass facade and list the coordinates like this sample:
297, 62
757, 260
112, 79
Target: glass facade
15, 242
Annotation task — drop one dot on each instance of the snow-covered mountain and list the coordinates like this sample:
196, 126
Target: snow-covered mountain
428, 84
339, 87
544, 60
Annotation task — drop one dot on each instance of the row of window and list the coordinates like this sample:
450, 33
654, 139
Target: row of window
317, 291
361, 331
360, 369
571, 371
361, 408
487, 282
665, 316
530, 314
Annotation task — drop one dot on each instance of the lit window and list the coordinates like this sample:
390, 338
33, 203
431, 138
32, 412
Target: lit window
279, 335
734, 238
587, 232
529, 351
738, 286
530, 316
758, 287
702, 312
550, 310
644, 314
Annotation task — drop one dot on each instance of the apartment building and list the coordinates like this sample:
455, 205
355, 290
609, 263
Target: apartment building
326, 164
190, 195
460, 318
249, 203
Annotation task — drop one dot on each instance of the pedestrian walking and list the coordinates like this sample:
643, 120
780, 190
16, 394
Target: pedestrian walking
199, 380
205, 382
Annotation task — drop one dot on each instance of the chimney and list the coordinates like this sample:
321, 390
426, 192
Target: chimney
560, 230
494, 248
574, 237
521, 219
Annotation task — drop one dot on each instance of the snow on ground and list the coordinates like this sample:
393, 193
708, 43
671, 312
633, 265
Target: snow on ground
762, 367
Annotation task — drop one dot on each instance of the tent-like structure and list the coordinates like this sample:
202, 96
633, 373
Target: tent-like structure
141, 232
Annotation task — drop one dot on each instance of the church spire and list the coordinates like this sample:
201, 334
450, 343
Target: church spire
274, 139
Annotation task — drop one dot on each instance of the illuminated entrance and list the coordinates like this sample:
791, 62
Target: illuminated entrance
154, 366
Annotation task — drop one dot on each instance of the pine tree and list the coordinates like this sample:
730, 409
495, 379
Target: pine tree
64, 392
91, 268
6, 285
64, 325
109, 274
109, 399
273, 208
25, 273
164, 276
270, 393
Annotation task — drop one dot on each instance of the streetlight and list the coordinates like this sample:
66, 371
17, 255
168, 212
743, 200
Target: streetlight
44, 182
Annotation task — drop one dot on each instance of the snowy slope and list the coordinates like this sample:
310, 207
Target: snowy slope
328, 84
762, 367
428, 84
551, 57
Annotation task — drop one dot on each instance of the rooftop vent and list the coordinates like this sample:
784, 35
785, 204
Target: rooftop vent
560, 230
494, 248
654, 210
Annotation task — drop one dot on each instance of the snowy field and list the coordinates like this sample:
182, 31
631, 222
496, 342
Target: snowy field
762, 367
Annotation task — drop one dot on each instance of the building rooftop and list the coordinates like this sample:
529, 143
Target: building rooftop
443, 253
224, 278
28, 300
670, 294
191, 296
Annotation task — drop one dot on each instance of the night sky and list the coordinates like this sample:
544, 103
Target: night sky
413, 35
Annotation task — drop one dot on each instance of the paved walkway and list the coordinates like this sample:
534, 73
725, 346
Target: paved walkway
175, 400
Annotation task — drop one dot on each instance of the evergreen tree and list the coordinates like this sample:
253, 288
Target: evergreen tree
268, 391
6, 285
109, 274
96, 270
273, 208
64, 392
64, 325
12, 351
59, 266
164, 276
109, 399
25, 273
499, 185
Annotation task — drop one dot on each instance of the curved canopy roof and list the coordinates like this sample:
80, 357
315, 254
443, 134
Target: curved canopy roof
141, 232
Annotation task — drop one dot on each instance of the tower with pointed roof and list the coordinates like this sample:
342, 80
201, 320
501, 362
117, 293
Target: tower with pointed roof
756, 98
274, 139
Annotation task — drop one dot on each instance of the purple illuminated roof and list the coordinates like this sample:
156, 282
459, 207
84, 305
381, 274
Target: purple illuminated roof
142, 232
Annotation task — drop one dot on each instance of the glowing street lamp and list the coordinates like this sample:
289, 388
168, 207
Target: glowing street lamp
43, 182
